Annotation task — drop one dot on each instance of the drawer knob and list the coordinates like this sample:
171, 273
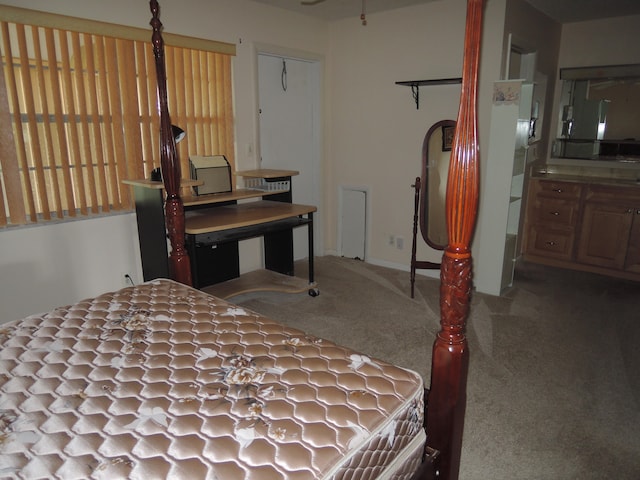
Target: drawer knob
551, 243
555, 213
557, 190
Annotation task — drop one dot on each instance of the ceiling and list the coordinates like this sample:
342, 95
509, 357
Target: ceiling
565, 11
336, 9
562, 11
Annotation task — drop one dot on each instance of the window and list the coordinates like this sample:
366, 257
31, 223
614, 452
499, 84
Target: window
78, 112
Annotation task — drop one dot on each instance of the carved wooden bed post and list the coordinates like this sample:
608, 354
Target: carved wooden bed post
179, 266
447, 396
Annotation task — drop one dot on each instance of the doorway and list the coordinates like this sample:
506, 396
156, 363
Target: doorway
289, 96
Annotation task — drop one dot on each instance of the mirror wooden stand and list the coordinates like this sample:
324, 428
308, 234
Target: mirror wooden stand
430, 195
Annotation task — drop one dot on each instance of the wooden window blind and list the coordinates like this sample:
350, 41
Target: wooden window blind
78, 112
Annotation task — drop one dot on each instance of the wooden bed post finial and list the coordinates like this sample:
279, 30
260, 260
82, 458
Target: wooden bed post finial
179, 265
450, 360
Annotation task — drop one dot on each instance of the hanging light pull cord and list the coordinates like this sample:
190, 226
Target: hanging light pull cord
283, 77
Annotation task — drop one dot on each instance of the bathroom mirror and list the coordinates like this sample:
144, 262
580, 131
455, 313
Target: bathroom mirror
599, 114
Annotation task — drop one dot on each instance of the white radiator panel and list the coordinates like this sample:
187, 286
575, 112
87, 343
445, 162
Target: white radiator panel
353, 223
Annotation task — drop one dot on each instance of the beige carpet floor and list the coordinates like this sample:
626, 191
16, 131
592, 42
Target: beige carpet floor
554, 375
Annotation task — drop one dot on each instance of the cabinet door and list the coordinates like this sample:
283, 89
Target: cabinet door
604, 235
632, 263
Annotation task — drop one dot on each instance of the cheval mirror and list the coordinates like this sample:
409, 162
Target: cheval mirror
430, 194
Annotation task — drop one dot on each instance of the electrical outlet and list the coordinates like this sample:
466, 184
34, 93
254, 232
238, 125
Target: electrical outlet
399, 243
127, 279
392, 239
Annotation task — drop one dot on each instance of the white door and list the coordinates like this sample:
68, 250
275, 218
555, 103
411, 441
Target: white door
289, 98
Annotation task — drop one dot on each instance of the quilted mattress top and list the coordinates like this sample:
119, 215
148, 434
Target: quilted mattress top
163, 381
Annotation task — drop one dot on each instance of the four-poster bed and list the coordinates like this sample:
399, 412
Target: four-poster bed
163, 381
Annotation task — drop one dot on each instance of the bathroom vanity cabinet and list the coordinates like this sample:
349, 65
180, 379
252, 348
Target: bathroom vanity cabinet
584, 224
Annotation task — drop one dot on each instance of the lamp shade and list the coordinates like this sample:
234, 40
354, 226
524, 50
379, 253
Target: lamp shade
178, 133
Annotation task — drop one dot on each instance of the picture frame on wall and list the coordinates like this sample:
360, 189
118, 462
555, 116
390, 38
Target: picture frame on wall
447, 138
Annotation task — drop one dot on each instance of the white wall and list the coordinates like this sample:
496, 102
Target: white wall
610, 41
376, 132
42, 267
533, 31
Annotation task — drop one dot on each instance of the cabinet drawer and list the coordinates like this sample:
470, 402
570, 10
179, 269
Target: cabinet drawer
550, 242
555, 212
553, 189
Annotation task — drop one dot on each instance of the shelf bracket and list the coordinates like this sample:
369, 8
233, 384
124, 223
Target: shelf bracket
415, 91
415, 86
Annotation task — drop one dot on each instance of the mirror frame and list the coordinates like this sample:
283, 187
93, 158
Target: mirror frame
424, 184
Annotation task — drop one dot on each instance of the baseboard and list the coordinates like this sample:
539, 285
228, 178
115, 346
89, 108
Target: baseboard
385, 263
405, 268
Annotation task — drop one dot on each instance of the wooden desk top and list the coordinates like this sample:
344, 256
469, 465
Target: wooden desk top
144, 182
243, 215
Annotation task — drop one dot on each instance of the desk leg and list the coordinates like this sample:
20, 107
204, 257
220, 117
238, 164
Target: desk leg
278, 246
313, 291
152, 233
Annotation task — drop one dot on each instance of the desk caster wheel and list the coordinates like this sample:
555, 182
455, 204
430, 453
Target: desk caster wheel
314, 292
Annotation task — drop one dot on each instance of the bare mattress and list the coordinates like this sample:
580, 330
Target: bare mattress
163, 381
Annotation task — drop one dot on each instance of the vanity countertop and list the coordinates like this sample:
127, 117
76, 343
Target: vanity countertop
588, 179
